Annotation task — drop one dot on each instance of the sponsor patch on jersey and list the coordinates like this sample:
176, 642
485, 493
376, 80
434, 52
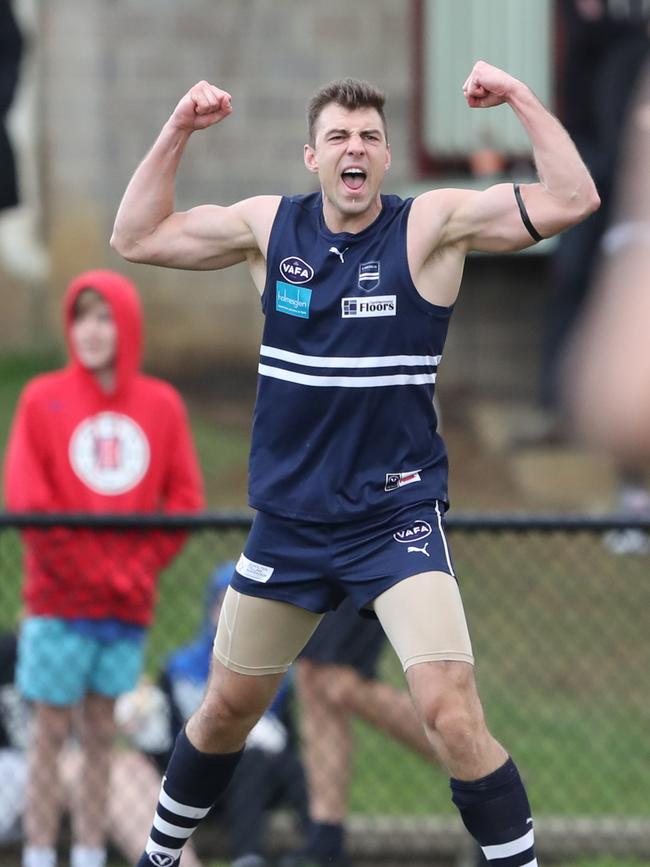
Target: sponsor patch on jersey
362, 308
110, 453
294, 300
415, 532
398, 480
296, 270
254, 571
369, 276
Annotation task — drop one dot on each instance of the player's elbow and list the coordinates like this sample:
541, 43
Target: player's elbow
584, 203
127, 248
590, 200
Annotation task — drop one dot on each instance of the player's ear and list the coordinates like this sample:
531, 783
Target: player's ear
389, 157
310, 159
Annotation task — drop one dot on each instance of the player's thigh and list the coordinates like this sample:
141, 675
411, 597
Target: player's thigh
257, 636
424, 619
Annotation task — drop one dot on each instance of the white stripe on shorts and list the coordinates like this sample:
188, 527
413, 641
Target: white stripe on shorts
444, 542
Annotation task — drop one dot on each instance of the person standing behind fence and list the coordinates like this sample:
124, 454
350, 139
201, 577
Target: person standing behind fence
95, 437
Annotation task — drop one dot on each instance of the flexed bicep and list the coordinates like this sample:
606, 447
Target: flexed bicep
208, 237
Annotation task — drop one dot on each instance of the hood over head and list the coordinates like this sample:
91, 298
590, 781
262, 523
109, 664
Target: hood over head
122, 297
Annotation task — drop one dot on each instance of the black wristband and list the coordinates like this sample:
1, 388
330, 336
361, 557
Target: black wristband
532, 231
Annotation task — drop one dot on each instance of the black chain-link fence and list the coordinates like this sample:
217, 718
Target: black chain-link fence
558, 611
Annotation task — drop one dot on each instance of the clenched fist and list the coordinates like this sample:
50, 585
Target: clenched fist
202, 106
487, 86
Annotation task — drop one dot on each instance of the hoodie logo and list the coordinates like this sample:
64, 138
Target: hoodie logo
109, 453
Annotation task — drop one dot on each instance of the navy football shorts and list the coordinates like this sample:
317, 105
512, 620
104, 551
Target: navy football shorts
315, 566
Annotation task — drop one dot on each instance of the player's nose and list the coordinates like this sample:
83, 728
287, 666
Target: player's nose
356, 144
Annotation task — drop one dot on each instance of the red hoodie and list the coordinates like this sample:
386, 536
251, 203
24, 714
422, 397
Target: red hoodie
76, 448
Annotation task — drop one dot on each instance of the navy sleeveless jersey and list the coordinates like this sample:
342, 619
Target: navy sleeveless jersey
344, 424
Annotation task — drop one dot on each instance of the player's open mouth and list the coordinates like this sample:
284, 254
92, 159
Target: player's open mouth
353, 179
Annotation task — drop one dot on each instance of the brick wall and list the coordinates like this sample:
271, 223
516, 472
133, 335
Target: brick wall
109, 74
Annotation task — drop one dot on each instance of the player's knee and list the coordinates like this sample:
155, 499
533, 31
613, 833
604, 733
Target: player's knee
460, 728
229, 711
450, 707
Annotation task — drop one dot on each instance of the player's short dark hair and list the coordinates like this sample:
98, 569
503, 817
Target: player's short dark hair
349, 93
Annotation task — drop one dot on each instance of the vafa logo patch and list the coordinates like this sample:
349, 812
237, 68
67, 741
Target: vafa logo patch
296, 270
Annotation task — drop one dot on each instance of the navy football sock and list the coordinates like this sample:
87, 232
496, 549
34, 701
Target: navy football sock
496, 812
191, 785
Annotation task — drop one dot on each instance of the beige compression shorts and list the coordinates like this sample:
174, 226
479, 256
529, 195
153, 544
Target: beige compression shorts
422, 616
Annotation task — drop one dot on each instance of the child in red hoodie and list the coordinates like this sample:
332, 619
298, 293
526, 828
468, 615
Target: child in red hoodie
96, 437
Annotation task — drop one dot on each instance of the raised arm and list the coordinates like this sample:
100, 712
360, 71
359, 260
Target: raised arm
493, 220
148, 229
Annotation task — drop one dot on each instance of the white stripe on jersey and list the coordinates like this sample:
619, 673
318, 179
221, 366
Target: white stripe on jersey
347, 381
351, 361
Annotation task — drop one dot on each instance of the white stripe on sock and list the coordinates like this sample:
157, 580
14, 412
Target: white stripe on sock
182, 809
171, 830
514, 847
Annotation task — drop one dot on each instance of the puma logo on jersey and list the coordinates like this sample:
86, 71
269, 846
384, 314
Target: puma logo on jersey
412, 549
339, 253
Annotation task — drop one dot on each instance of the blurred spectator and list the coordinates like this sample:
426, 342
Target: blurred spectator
608, 374
95, 437
604, 46
129, 808
10, 53
270, 773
